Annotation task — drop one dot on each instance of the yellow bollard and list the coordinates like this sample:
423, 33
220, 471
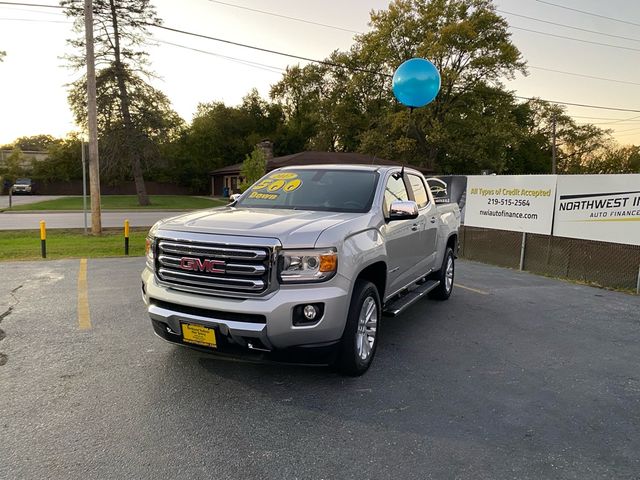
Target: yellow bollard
43, 238
126, 237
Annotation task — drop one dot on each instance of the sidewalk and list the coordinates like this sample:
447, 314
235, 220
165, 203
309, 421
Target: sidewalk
25, 199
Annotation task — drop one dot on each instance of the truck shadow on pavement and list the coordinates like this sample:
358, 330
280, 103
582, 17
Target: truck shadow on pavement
410, 386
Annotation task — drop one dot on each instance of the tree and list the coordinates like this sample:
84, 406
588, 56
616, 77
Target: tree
63, 163
35, 142
216, 137
354, 109
154, 123
15, 164
133, 114
253, 168
2, 55
222, 135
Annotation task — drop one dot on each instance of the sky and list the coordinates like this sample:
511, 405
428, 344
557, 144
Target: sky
33, 75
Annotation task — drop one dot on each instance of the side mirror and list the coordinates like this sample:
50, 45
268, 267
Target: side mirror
403, 210
235, 197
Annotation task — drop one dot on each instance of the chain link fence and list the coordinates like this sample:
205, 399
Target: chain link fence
609, 265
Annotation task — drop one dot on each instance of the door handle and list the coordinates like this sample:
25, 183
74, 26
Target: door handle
414, 227
433, 219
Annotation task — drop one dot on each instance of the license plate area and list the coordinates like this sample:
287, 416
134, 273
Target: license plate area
198, 335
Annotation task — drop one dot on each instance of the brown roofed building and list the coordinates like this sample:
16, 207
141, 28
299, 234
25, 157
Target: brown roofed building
227, 179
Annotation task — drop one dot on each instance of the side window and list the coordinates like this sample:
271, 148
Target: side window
395, 190
419, 192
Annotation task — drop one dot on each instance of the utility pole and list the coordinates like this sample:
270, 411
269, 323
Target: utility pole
94, 165
553, 145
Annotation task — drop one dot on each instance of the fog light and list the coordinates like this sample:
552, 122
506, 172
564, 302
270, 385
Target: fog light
310, 312
307, 314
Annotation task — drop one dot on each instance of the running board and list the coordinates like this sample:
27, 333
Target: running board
405, 301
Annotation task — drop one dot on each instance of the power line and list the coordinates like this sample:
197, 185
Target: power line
606, 127
628, 130
356, 69
617, 109
618, 121
610, 45
249, 63
584, 75
20, 4
285, 16
589, 13
39, 12
624, 120
627, 134
609, 126
599, 118
35, 20
567, 26
340, 28
621, 123
267, 50
362, 70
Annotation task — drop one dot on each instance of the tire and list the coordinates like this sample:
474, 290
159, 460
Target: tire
446, 276
361, 332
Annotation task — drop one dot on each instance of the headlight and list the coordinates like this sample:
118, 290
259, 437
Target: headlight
295, 266
149, 248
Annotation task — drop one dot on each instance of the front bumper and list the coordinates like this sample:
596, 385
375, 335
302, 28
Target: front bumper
260, 324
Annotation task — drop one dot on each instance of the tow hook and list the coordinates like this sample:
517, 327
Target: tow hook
251, 346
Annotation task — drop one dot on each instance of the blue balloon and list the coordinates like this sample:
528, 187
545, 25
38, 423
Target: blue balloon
416, 82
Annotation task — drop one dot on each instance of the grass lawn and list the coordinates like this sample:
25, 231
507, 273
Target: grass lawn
25, 244
126, 202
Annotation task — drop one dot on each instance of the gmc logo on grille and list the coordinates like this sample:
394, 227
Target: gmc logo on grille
206, 265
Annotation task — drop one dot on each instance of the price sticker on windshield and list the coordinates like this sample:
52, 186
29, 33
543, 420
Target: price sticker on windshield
282, 181
275, 186
292, 185
284, 176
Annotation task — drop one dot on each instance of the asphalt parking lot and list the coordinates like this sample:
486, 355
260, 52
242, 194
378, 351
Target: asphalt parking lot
516, 376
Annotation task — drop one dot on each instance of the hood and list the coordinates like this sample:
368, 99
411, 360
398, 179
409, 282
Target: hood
294, 228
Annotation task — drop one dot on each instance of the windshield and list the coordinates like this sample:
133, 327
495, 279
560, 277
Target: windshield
23, 181
314, 189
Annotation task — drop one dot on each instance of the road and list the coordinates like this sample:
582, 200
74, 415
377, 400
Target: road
110, 218
515, 377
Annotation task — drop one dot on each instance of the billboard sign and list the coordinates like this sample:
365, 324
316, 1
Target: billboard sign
599, 207
522, 203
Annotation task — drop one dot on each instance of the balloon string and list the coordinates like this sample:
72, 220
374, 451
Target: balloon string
406, 133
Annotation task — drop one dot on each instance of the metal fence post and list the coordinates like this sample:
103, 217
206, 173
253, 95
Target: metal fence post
522, 248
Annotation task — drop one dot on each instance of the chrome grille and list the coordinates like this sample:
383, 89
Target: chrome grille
211, 268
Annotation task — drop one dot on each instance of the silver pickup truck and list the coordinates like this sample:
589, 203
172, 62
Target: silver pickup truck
304, 264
